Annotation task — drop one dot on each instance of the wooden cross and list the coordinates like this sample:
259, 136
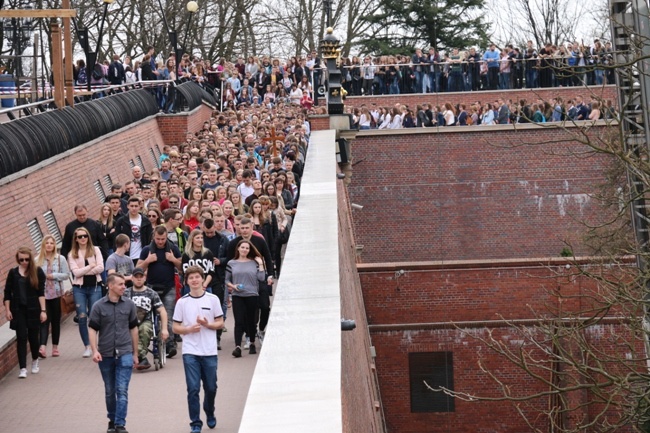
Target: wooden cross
273, 138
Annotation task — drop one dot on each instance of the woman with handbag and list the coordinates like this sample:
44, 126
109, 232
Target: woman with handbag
86, 265
56, 272
24, 301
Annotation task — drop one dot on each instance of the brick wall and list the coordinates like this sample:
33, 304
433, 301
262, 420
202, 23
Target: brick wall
412, 100
474, 193
359, 387
60, 182
174, 127
428, 310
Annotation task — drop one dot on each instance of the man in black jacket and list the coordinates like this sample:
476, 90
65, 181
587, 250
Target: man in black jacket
218, 245
93, 227
137, 227
116, 71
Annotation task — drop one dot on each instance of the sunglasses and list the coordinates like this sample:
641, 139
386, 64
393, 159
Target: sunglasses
153, 216
24, 260
173, 202
82, 236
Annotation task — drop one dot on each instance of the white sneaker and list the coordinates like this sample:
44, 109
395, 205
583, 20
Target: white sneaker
260, 337
88, 353
22, 374
248, 343
35, 368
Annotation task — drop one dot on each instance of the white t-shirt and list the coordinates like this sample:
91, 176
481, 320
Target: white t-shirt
188, 308
136, 237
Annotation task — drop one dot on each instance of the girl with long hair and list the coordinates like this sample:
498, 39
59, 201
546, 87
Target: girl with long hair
243, 274
24, 301
86, 265
191, 215
55, 268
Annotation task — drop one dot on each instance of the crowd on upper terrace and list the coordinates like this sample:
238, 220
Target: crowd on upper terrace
500, 112
266, 81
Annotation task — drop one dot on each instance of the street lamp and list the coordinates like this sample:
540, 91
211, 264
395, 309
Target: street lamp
192, 7
19, 35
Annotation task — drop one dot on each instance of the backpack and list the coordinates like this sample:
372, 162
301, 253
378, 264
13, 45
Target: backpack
82, 78
98, 72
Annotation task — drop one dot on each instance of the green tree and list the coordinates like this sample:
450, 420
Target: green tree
437, 23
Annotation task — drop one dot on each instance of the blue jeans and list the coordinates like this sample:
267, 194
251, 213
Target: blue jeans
116, 373
84, 299
197, 369
434, 82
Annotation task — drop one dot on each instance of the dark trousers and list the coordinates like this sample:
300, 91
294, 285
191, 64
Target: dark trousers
493, 78
264, 304
24, 334
53, 307
245, 313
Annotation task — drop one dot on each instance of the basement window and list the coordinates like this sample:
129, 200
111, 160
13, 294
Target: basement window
437, 370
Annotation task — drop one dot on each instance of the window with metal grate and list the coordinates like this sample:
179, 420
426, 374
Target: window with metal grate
108, 182
131, 163
140, 163
436, 369
52, 226
99, 190
154, 158
35, 233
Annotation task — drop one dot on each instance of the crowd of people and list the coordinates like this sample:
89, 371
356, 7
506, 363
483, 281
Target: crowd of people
267, 81
502, 111
211, 219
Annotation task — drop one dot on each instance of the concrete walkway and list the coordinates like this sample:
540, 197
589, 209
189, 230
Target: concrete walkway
68, 393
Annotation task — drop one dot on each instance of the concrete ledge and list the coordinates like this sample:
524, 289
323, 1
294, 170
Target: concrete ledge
297, 382
7, 337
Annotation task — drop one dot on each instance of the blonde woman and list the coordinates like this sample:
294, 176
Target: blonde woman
55, 267
86, 266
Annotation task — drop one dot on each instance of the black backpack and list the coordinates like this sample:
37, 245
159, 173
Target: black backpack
98, 72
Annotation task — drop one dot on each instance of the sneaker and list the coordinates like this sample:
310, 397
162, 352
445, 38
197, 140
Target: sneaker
252, 350
87, 353
120, 429
178, 338
55, 353
260, 337
196, 429
212, 421
219, 345
247, 344
111, 427
23, 373
35, 368
171, 352
224, 329
42, 353
143, 364
237, 352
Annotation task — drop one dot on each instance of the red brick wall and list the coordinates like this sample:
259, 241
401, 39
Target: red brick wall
422, 309
359, 386
174, 127
473, 193
412, 100
59, 184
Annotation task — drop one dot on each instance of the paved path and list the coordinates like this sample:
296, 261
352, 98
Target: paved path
68, 393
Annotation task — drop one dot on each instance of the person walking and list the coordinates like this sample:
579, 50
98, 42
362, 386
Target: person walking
86, 265
197, 317
55, 267
243, 276
24, 301
113, 333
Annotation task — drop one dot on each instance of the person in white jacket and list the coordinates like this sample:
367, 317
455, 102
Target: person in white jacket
86, 265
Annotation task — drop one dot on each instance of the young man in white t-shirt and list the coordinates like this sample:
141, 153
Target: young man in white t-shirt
197, 317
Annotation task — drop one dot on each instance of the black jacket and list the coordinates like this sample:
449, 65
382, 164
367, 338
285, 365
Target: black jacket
123, 226
33, 305
96, 235
218, 245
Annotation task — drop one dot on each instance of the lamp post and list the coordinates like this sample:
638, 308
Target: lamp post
192, 7
82, 35
19, 34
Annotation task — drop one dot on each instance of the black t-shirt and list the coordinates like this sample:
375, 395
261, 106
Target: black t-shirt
160, 274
